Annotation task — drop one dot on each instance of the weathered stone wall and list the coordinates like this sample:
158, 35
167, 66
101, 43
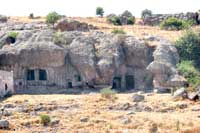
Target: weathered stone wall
156, 19
6, 77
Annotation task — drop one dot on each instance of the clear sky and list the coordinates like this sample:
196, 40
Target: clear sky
87, 7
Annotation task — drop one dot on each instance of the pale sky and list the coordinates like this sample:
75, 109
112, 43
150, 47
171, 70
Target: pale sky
87, 7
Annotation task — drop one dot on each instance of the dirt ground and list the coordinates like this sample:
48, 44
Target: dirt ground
93, 114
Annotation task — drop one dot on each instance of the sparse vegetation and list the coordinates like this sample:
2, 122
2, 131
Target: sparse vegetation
45, 119
52, 18
59, 38
131, 21
146, 13
99, 11
126, 18
174, 24
114, 19
188, 70
13, 34
108, 93
118, 31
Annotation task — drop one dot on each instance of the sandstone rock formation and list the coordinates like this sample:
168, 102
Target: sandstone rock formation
164, 66
45, 59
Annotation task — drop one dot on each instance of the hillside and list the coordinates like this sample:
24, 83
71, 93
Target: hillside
135, 30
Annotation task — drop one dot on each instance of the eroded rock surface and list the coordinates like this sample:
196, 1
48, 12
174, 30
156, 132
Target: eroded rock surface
75, 59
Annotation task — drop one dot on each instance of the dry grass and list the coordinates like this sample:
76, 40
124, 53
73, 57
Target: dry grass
101, 119
135, 30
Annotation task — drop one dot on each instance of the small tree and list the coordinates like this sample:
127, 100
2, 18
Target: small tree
45, 119
52, 18
99, 11
146, 13
188, 47
31, 16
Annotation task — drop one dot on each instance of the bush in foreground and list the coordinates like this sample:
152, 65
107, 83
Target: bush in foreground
45, 119
188, 70
118, 31
188, 47
108, 93
174, 24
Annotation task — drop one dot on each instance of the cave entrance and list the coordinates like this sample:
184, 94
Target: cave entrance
69, 85
130, 82
30, 75
42, 74
116, 83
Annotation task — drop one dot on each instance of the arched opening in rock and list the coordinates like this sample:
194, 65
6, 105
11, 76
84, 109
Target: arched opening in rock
116, 83
69, 85
10, 40
130, 82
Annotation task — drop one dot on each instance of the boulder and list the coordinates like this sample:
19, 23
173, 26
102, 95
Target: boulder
194, 95
125, 120
4, 124
54, 122
84, 119
196, 108
162, 90
180, 93
3, 19
73, 25
137, 98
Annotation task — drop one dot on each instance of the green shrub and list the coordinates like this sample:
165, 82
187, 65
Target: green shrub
45, 119
113, 19
188, 70
108, 93
174, 24
131, 21
188, 47
192, 22
99, 11
118, 31
146, 13
13, 34
52, 18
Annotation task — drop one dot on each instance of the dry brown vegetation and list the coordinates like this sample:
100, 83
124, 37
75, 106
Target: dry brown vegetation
102, 115
136, 30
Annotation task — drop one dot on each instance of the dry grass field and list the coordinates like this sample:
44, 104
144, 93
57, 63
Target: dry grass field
135, 30
93, 114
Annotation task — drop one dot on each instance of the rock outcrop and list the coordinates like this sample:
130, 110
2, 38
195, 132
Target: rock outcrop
3, 19
164, 66
43, 58
73, 25
156, 19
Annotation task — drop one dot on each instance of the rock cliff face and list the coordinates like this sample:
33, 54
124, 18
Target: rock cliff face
44, 58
